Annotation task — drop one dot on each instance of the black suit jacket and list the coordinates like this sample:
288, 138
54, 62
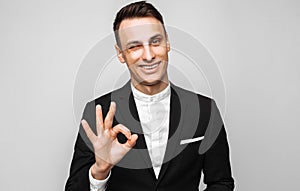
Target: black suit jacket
191, 116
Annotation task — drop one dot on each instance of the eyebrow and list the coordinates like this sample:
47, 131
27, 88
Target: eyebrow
139, 42
133, 42
156, 36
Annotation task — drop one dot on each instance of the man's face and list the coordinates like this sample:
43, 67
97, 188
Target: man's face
144, 47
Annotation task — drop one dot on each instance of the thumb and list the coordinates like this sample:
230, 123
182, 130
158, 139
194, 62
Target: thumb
131, 142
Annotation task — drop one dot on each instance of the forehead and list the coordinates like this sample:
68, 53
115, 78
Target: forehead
139, 29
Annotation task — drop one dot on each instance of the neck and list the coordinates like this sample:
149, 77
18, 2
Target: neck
151, 89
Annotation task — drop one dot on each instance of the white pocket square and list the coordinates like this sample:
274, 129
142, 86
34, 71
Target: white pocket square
191, 140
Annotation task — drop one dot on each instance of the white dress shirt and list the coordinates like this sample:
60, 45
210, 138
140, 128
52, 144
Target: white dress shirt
154, 111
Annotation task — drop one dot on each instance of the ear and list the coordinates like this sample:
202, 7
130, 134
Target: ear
119, 54
168, 43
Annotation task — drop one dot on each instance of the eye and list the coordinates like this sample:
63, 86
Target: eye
155, 41
134, 47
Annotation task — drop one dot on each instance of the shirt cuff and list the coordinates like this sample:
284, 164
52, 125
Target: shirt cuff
97, 185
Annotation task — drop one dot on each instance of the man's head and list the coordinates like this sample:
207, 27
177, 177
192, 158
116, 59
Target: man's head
138, 9
142, 44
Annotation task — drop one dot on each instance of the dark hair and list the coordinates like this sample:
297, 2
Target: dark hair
138, 9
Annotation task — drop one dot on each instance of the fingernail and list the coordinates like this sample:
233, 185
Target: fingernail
83, 122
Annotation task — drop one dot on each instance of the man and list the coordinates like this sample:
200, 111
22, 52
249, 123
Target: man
148, 134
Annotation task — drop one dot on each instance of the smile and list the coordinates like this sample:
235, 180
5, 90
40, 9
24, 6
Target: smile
149, 67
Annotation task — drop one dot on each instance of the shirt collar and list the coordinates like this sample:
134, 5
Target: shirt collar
151, 98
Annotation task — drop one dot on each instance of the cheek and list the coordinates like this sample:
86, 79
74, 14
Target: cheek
160, 51
136, 54
131, 58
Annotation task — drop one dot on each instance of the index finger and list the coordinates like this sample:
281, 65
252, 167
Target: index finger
121, 129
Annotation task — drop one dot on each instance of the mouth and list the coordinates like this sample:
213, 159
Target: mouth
150, 67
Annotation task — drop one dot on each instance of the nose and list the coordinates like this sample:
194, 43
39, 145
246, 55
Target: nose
148, 54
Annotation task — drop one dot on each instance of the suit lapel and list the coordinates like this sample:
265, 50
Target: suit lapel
127, 114
184, 118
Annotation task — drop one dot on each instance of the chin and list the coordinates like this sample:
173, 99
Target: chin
152, 82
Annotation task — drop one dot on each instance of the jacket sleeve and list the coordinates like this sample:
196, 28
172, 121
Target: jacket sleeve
216, 167
83, 157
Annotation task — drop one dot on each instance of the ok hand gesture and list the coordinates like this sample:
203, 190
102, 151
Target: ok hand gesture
108, 151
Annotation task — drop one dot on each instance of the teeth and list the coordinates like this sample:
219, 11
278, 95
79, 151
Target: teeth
150, 67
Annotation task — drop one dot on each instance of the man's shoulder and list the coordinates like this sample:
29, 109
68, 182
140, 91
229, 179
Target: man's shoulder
106, 98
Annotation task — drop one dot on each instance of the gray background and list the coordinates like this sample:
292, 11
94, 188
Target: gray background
255, 43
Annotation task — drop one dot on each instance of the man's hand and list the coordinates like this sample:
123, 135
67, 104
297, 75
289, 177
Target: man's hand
108, 151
